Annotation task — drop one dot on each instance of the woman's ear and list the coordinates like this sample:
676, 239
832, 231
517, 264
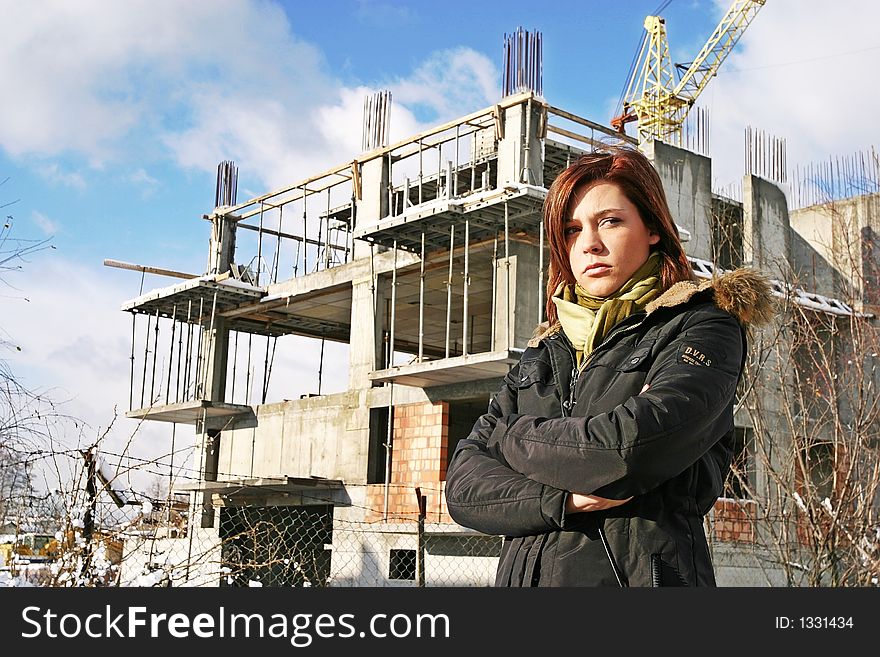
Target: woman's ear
653, 238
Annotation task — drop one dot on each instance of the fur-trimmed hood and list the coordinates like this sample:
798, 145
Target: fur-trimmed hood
745, 293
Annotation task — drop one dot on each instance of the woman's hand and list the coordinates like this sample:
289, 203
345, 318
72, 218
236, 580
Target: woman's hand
578, 503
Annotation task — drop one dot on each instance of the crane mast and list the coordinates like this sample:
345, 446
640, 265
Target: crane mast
654, 98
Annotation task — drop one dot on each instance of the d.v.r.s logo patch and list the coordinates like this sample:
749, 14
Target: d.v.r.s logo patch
694, 356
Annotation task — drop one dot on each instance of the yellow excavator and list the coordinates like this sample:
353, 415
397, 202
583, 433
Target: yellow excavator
654, 98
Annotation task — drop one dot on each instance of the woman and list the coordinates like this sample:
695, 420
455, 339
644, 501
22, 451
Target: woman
611, 439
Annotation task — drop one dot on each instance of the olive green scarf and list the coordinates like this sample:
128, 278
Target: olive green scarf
586, 320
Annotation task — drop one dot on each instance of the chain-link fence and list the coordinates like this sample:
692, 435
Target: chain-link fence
158, 544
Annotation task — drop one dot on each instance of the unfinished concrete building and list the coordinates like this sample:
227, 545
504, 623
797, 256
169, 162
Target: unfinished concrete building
427, 258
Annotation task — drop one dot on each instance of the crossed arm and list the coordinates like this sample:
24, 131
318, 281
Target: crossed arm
520, 474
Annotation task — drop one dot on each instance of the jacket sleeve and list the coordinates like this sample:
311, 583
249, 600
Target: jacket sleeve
648, 439
484, 493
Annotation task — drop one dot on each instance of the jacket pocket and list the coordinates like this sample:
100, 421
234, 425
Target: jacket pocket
637, 359
534, 371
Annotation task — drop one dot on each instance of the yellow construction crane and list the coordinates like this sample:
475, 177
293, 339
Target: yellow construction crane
654, 98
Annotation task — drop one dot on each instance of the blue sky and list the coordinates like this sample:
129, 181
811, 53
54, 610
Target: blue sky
114, 116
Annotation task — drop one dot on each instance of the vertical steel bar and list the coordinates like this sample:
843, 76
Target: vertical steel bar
131, 363
494, 290
455, 181
146, 355
327, 235
171, 358
507, 268
187, 368
321, 367
422, 301
179, 361
305, 242
393, 306
420, 171
390, 187
278, 245
540, 271
234, 365
449, 286
247, 380
465, 284
210, 346
265, 372
198, 391
259, 245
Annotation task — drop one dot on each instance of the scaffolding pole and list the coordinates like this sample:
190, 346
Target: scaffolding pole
507, 269
146, 355
540, 272
131, 365
155, 354
197, 391
494, 290
187, 369
422, 302
466, 283
171, 358
449, 287
390, 437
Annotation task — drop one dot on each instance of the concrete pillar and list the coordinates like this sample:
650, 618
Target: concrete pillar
373, 204
766, 229
687, 181
516, 297
366, 340
215, 352
520, 157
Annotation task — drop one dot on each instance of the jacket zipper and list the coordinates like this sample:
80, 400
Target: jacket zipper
575, 373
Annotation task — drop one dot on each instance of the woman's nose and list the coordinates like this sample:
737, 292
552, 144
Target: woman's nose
590, 242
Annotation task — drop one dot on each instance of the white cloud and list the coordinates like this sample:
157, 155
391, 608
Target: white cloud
290, 135
85, 74
58, 176
74, 350
803, 71
136, 75
141, 177
43, 222
450, 83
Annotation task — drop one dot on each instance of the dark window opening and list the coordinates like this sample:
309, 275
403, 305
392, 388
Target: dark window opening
378, 439
402, 564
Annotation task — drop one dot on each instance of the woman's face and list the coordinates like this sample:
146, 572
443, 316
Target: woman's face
606, 238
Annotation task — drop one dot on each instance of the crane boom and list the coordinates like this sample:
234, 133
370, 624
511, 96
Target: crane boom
653, 98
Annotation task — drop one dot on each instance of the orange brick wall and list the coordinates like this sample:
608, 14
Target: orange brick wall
418, 459
734, 520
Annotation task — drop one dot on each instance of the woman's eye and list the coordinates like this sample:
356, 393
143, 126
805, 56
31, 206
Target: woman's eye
572, 230
609, 221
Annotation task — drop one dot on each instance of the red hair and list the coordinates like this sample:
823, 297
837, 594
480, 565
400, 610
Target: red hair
633, 173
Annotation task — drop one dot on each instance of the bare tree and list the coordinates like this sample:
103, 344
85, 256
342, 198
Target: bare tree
809, 477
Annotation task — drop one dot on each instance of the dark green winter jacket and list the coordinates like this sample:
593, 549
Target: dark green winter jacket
551, 430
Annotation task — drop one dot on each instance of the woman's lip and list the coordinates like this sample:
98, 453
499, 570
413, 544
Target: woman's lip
597, 269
